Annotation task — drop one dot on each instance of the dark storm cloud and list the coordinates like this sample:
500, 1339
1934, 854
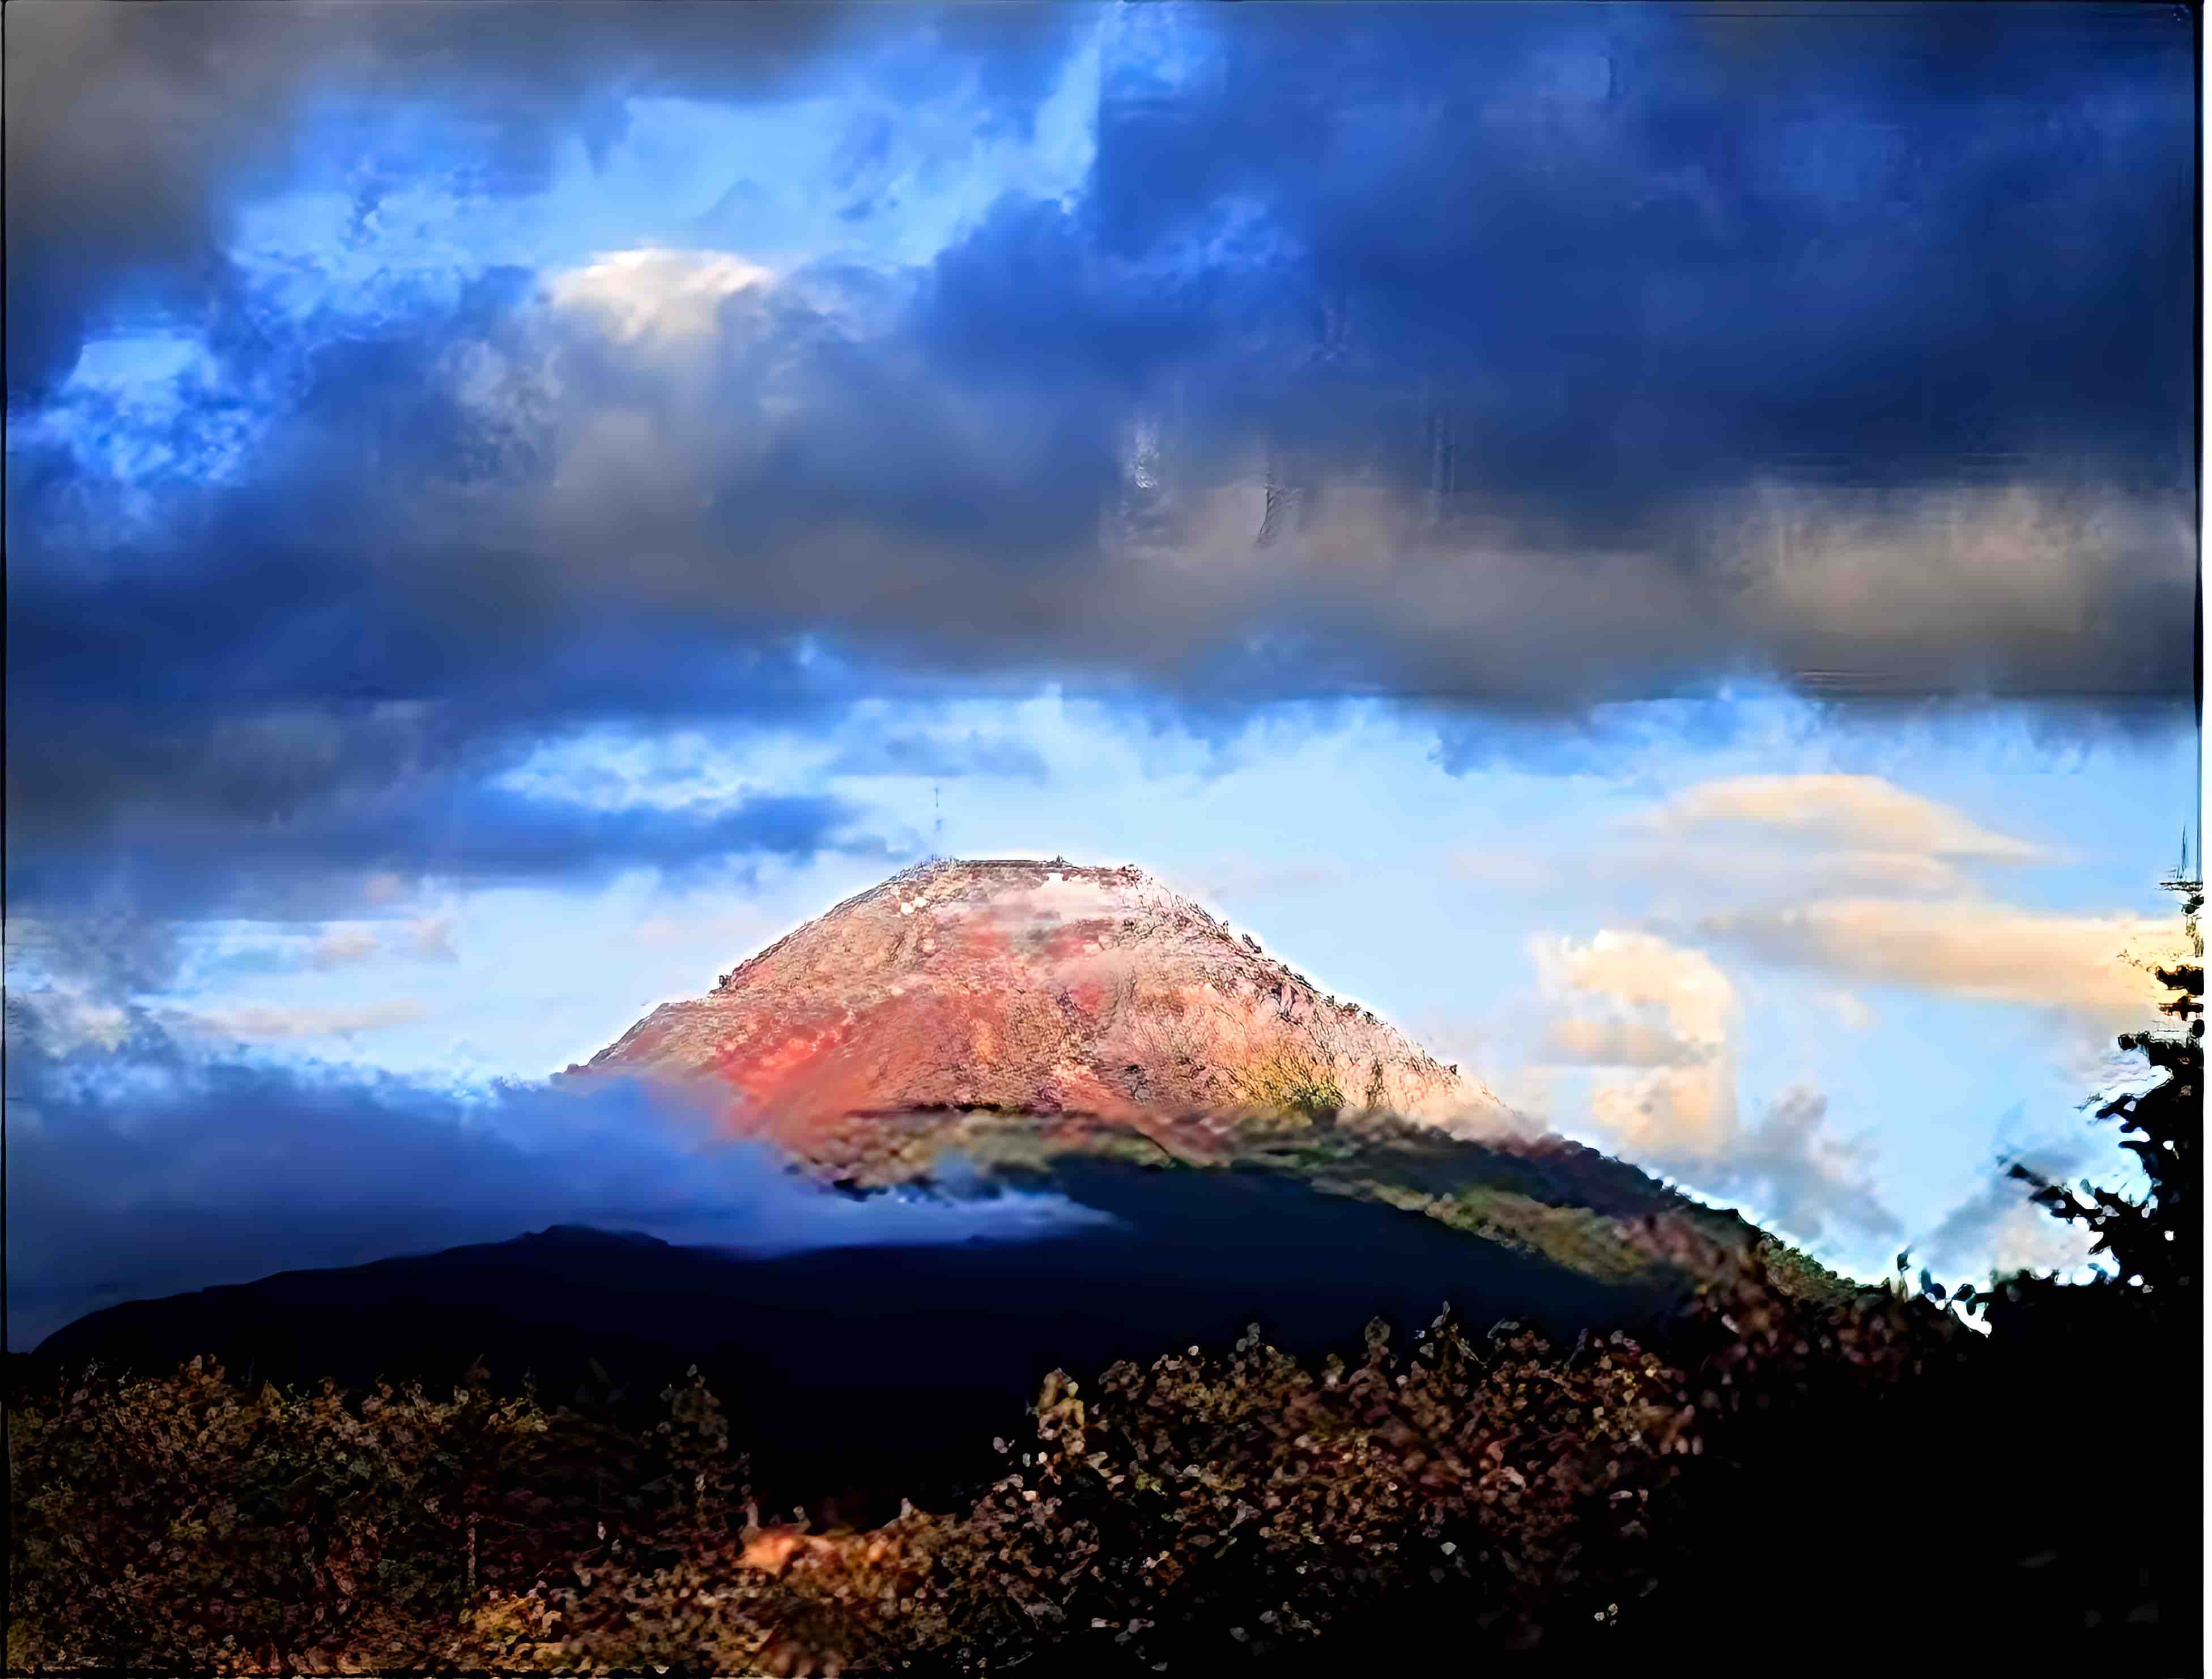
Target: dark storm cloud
296, 811
1653, 246
201, 745
1609, 353
451, 832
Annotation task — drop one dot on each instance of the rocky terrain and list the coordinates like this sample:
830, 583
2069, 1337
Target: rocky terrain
1036, 988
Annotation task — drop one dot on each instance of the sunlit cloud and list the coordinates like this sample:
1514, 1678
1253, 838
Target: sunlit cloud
1621, 1044
655, 293
2094, 967
1665, 1091
1851, 814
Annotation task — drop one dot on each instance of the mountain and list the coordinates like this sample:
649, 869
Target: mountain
1039, 989
1022, 1015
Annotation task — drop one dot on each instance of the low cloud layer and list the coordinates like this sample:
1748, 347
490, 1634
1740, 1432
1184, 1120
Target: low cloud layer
160, 1170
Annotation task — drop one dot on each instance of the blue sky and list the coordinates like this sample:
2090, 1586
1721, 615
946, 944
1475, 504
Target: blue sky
503, 522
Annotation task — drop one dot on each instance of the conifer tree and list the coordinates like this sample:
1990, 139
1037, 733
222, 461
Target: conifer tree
2154, 1241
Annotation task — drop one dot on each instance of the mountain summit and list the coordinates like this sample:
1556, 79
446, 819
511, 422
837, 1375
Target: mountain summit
1038, 988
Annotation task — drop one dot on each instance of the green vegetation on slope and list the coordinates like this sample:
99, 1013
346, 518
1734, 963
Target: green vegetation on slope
1547, 1197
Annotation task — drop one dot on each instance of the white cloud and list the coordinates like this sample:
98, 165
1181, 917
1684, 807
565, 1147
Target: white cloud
1800, 1172
63, 1019
199, 1174
1817, 832
1876, 894
2026, 1238
1738, 867
1644, 971
656, 294
1671, 1113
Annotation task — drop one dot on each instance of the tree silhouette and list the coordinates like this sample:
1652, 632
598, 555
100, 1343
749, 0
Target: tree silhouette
2153, 1240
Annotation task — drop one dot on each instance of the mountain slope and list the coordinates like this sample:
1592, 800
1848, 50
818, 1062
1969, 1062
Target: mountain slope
1036, 988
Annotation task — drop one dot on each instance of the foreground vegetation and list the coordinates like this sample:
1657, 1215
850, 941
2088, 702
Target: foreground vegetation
1202, 1509
1787, 1473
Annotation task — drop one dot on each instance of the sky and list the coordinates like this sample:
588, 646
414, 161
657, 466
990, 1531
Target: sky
1654, 546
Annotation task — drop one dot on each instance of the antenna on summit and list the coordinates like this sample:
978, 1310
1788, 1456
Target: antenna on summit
2181, 879
2188, 885
936, 833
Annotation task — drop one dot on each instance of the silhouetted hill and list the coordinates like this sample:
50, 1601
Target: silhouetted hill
866, 1369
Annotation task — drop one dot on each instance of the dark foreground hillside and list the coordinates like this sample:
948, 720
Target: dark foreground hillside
1769, 1480
874, 1371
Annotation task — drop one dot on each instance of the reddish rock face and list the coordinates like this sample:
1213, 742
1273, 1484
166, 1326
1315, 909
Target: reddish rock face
1030, 987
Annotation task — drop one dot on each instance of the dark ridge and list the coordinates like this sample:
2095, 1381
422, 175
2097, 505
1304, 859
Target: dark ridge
862, 1374
584, 1235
